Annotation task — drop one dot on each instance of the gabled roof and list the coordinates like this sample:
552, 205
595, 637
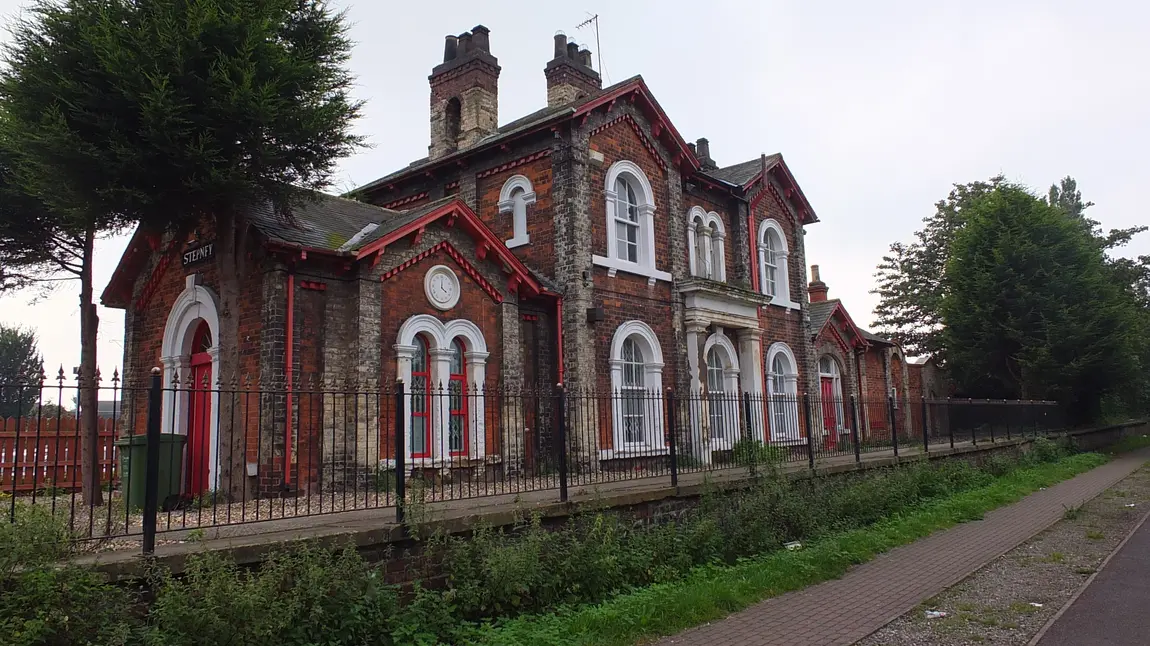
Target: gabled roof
746, 174
552, 115
822, 312
459, 215
326, 224
874, 338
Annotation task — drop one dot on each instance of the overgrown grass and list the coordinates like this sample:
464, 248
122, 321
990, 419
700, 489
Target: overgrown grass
603, 578
711, 592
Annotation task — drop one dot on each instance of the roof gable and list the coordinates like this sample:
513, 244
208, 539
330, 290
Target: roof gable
749, 174
824, 312
457, 214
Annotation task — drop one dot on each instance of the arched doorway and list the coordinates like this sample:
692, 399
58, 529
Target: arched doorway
831, 393
199, 411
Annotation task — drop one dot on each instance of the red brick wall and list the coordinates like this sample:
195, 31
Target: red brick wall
779, 323
626, 297
402, 298
540, 253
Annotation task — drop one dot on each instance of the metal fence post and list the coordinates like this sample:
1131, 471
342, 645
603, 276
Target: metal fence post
855, 429
810, 431
925, 429
670, 403
561, 408
893, 425
152, 463
949, 423
974, 427
1009, 411
400, 452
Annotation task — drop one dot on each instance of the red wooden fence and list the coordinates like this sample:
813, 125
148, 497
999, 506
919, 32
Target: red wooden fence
45, 454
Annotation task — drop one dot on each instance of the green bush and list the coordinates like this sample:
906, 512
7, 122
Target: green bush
44, 603
317, 597
307, 596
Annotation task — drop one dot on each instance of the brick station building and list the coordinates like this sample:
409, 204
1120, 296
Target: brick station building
586, 243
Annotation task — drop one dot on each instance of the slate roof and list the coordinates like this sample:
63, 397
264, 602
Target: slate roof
400, 220
505, 131
874, 338
820, 312
742, 173
323, 222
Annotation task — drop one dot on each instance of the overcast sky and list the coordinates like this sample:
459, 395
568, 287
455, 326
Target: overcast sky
877, 107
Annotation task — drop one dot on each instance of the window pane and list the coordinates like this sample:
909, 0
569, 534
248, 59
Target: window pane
633, 405
456, 357
418, 431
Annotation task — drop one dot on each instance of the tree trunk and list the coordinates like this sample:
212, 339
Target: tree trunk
232, 440
89, 395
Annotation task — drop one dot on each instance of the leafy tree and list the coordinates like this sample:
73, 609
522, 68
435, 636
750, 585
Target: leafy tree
173, 113
910, 278
21, 366
1029, 308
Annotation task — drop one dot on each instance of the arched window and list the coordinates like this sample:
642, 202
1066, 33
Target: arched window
457, 402
626, 221
782, 386
445, 366
451, 120
421, 399
719, 401
774, 277
705, 239
636, 383
634, 392
514, 198
630, 223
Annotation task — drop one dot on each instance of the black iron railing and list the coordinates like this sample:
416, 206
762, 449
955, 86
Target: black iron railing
178, 457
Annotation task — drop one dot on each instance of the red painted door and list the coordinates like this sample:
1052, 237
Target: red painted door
199, 416
830, 412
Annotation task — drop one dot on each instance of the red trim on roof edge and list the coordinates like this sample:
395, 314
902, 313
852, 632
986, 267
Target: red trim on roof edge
454, 254
640, 89
470, 222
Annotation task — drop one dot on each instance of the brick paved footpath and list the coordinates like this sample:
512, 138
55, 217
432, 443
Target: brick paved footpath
873, 594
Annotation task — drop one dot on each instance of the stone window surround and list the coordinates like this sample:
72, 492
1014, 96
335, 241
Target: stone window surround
517, 206
647, 261
790, 434
710, 226
439, 337
654, 443
729, 357
195, 304
783, 281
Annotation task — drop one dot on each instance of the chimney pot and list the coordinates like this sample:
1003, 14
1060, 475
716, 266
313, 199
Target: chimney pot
465, 43
817, 289
481, 41
693, 151
560, 45
449, 48
573, 51
585, 57
704, 148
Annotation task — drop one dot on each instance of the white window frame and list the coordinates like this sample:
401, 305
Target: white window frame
517, 205
653, 442
646, 265
722, 346
439, 336
835, 374
782, 295
786, 405
706, 252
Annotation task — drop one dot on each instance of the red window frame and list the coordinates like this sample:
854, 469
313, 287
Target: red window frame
417, 372
459, 378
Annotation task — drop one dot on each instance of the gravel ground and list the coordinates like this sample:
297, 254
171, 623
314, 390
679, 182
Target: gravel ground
1009, 600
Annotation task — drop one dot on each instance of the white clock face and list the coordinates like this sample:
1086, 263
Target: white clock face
442, 287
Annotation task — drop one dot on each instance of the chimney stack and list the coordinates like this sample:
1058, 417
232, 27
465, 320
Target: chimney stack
703, 152
464, 93
817, 289
570, 75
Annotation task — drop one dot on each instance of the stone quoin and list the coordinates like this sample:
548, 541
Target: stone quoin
587, 243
